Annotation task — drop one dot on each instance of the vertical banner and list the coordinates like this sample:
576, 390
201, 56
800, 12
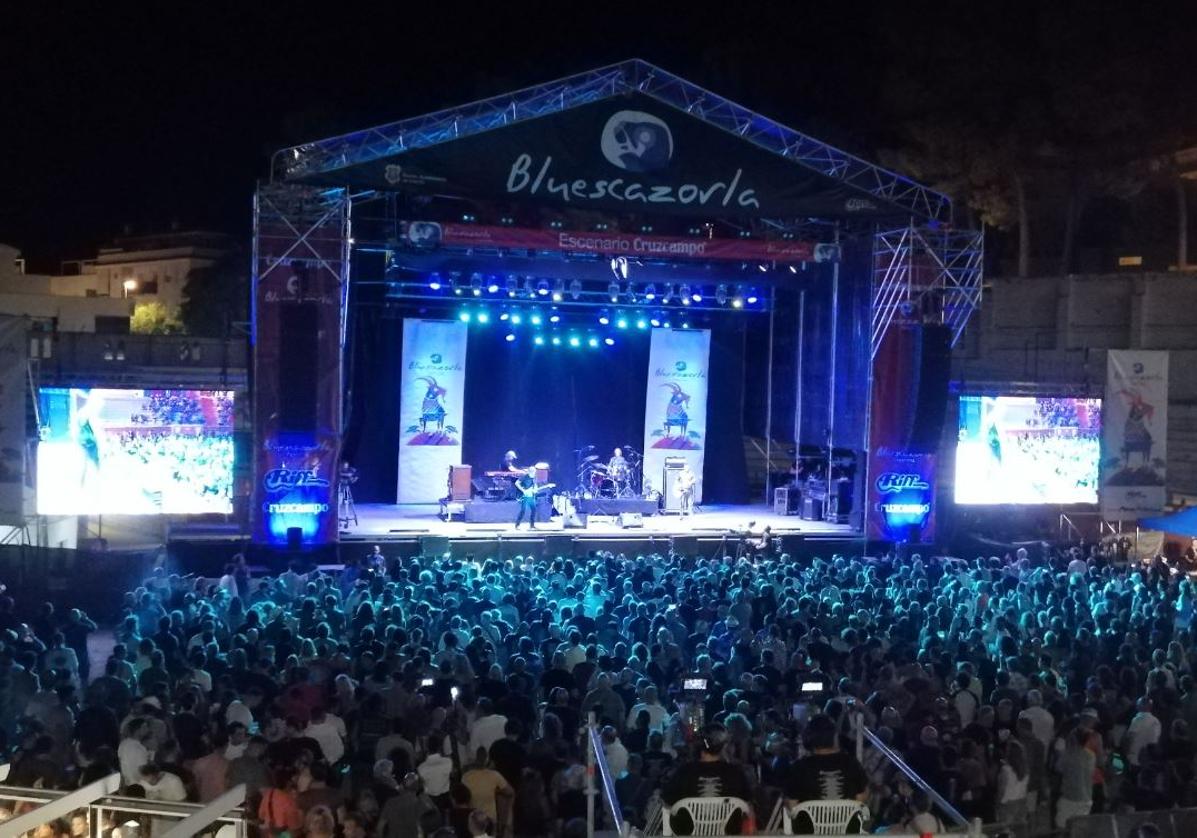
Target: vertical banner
300, 274
1135, 434
431, 407
675, 410
13, 372
901, 495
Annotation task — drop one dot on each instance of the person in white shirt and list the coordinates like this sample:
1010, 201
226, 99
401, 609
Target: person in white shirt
1043, 724
329, 732
162, 785
238, 741
1144, 730
132, 752
615, 752
436, 771
488, 728
657, 715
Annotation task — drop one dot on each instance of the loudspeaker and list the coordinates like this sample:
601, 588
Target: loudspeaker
630, 520
785, 500
839, 501
459, 483
812, 508
574, 521
434, 545
930, 372
299, 337
294, 538
673, 469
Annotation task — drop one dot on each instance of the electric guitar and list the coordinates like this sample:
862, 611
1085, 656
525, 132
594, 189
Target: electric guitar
532, 491
684, 485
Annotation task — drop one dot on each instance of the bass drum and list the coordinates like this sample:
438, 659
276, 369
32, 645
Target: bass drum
606, 488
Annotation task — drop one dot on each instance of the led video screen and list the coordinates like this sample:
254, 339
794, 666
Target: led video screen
134, 452
1026, 450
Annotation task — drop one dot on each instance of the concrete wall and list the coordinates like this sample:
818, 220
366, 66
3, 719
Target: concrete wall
1051, 334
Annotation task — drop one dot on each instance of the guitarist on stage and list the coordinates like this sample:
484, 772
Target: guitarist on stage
527, 488
686, 482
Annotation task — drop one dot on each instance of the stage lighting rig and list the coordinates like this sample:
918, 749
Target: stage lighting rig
613, 291
575, 288
683, 294
476, 284
559, 291
434, 281
721, 294
650, 292
542, 288
513, 285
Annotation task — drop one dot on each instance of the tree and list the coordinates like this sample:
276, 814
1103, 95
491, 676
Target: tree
216, 296
154, 318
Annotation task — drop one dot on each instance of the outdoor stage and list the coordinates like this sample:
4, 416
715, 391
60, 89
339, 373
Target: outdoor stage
388, 523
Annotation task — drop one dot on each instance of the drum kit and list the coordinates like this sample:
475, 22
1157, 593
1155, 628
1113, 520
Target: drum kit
615, 479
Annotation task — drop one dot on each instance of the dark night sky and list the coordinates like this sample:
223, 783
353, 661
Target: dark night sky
153, 114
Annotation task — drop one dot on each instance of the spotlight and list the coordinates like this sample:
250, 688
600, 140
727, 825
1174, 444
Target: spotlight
483, 317
641, 323
650, 292
604, 319
621, 323
656, 321
737, 303
538, 340
468, 218
763, 268
683, 294
542, 287
668, 294
575, 288
509, 338
529, 291
609, 341
613, 291
456, 287
464, 317
619, 267
697, 295
721, 294
517, 318
476, 284
646, 228
535, 320
665, 324
556, 340
574, 341
556, 318
507, 221
631, 292
434, 281
592, 343
493, 286
685, 325
513, 286
556, 224
504, 316
793, 269
559, 291
751, 298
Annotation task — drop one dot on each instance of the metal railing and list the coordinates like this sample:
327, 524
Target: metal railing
597, 758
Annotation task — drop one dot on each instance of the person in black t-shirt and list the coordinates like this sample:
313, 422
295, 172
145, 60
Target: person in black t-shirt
709, 776
827, 773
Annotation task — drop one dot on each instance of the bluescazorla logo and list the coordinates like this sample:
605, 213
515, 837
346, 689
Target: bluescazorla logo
436, 357
680, 366
636, 141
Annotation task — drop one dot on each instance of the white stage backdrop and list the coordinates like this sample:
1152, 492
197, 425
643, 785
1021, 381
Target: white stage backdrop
1134, 434
431, 402
675, 412
14, 332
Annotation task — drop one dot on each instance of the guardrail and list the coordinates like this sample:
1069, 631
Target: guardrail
597, 758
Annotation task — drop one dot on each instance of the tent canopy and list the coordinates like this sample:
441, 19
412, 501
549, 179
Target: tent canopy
1183, 522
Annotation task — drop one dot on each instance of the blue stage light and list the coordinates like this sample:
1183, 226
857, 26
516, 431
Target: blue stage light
665, 324
517, 319
697, 296
542, 287
574, 341
656, 321
604, 320
556, 341
434, 281
483, 317
650, 292
621, 323
504, 316
556, 318
536, 320
609, 341
685, 325
641, 323
464, 317
751, 298
493, 287
538, 340
593, 343
509, 338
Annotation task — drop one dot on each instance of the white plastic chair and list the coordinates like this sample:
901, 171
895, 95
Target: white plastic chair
830, 817
709, 814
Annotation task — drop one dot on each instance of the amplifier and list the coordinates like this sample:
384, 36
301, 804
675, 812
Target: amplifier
786, 500
812, 508
460, 487
573, 520
630, 521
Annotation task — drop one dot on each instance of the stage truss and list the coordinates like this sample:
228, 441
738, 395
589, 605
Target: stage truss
925, 274
328, 155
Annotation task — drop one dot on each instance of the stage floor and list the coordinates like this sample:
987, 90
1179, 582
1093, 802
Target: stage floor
389, 522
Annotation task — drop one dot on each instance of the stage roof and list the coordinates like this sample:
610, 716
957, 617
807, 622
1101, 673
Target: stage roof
629, 137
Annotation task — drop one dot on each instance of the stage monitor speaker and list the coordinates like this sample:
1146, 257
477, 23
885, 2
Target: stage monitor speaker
672, 471
481, 486
630, 521
299, 336
930, 373
294, 538
812, 508
684, 545
459, 483
434, 545
574, 520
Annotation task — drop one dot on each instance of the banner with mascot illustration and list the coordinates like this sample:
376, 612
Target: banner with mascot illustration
675, 410
431, 402
1135, 435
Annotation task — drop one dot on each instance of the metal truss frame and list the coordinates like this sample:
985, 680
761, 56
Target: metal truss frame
302, 211
925, 274
636, 75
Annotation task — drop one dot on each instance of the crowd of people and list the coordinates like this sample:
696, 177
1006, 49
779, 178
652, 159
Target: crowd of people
445, 697
186, 407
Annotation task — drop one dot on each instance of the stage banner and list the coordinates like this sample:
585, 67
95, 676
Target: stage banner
675, 410
431, 402
901, 495
13, 348
1135, 435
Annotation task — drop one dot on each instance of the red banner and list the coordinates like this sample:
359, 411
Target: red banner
431, 233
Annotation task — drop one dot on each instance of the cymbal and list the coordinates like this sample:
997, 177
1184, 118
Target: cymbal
591, 459
598, 467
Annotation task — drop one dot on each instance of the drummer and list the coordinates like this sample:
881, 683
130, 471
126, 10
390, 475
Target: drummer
617, 467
